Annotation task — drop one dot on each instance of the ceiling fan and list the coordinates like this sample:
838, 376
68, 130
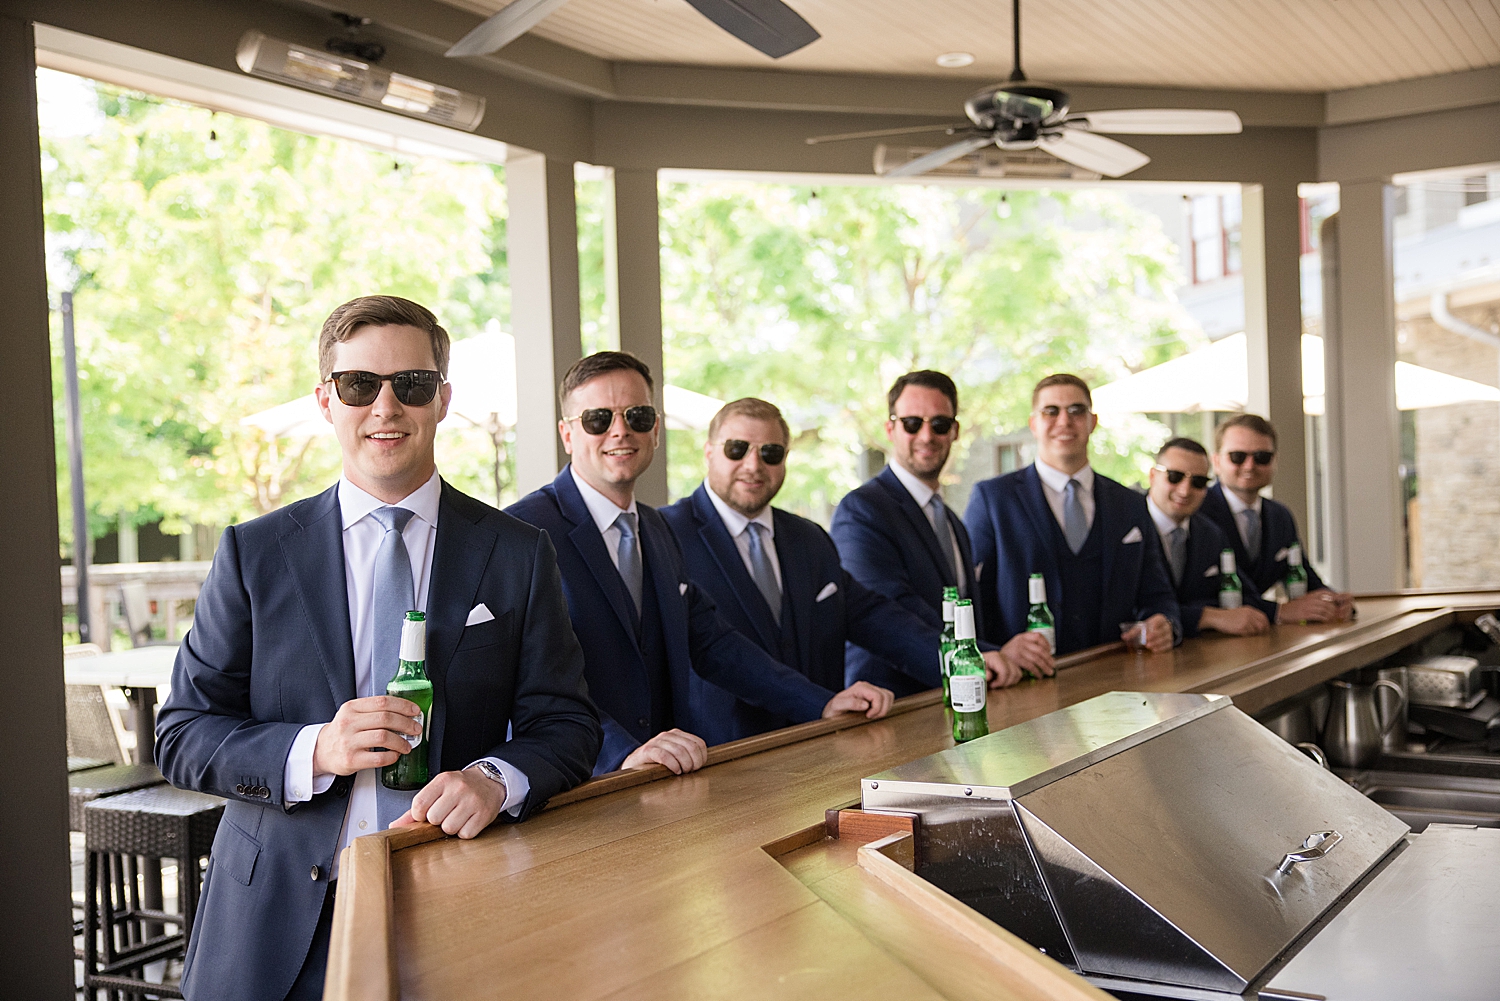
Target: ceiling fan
768, 25
1021, 115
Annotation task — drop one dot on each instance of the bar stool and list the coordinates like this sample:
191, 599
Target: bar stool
119, 936
86, 786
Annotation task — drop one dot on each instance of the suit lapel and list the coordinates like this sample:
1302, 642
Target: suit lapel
589, 542
459, 558
727, 555
799, 585
314, 551
915, 516
1112, 528
1034, 502
660, 566
1200, 555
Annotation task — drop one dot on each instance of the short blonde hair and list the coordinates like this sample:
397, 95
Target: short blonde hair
755, 409
379, 311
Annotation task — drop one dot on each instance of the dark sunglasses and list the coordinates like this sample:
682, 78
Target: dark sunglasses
1261, 458
600, 419
771, 453
940, 425
414, 387
1175, 476
1052, 410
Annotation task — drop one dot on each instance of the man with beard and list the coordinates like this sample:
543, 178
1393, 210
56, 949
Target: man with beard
897, 537
776, 577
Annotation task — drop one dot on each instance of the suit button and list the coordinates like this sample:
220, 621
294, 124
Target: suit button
239, 788
316, 872
643, 722
341, 787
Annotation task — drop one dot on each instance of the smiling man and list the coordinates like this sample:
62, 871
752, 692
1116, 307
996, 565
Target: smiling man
647, 630
278, 697
1089, 537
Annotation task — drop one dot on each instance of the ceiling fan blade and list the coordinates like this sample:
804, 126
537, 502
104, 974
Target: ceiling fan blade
938, 157
1161, 122
504, 27
1091, 152
877, 133
768, 25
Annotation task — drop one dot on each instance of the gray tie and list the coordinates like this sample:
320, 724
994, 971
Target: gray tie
944, 536
1178, 553
393, 598
1075, 524
1252, 533
628, 556
761, 570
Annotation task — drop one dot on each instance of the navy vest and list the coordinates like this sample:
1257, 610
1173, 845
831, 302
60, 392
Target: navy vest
653, 647
1082, 588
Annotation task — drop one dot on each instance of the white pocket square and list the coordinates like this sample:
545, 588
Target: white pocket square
479, 613
682, 589
1212, 571
1134, 535
828, 590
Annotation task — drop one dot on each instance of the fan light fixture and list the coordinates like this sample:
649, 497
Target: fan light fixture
955, 60
352, 80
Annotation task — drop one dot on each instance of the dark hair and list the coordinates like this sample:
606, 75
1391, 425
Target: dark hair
379, 311
1062, 379
1252, 422
753, 408
1186, 444
923, 377
597, 364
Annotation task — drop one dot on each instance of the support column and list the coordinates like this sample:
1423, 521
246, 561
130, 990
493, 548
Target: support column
1271, 247
635, 282
1366, 525
542, 251
36, 922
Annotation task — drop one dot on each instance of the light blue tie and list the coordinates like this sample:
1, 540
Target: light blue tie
1075, 524
628, 558
393, 598
1178, 554
944, 538
1252, 533
761, 570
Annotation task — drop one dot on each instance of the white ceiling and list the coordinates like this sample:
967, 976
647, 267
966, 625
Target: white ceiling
1296, 45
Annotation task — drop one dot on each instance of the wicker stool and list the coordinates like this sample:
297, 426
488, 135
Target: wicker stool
118, 939
95, 783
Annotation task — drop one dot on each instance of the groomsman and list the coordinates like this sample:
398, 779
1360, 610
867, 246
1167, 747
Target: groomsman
1261, 529
776, 577
897, 537
1088, 536
1193, 544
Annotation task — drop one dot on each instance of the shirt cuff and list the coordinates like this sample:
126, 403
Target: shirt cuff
517, 785
298, 783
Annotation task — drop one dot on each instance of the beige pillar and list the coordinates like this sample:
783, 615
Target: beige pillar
1271, 248
1366, 544
634, 263
542, 249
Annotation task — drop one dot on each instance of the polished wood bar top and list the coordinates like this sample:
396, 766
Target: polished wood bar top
714, 884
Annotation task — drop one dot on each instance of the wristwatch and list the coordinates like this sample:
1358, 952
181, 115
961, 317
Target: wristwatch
488, 769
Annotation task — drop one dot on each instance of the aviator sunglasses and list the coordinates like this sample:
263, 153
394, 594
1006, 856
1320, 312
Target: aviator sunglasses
771, 453
1074, 410
413, 388
598, 420
1261, 458
913, 425
1175, 476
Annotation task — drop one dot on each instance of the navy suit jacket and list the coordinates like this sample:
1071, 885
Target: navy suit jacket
1199, 587
1011, 524
696, 636
270, 651
1278, 530
885, 540
822, 620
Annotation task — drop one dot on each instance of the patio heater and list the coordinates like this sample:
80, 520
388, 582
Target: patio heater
75, 472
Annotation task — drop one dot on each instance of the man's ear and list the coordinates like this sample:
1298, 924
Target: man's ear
325, 402
566, 434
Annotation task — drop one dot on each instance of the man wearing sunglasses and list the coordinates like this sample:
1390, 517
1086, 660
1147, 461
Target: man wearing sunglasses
1089, 537
1192, 544
897, 537
278, 697
1263, 530
776, 577
647, 630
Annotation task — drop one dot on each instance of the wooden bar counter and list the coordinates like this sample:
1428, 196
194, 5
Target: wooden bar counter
724, 883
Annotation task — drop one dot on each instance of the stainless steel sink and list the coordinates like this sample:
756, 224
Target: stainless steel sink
1422, 799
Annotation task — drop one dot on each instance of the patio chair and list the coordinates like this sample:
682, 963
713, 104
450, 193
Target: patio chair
135, 604
95, 737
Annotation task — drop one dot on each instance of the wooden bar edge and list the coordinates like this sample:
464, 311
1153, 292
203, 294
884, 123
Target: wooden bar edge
362, 950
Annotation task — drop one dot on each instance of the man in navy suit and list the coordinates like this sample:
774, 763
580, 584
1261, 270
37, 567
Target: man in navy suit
897, 537
1193, 545
776, 577
278, 697
1263, 530
646, 628
1088, 536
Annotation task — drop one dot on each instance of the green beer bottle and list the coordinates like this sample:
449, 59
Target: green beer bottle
1039, 616
1231, 591
946, 646
966, 682
411, 683
1296, 573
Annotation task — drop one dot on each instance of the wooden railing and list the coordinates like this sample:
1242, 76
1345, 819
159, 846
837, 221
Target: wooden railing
168, 584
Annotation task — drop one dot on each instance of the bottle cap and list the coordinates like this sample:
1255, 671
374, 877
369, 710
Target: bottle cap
963, 620
1226, 561
1036, 588
947, 610
414, 637
1294, 555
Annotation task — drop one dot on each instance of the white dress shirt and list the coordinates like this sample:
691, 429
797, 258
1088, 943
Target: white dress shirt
604, 512
739, 530
362, 538
1238, 508
1055, 482
922, 494
1165, 525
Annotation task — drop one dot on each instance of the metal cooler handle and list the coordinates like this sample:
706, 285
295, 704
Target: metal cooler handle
1315, 847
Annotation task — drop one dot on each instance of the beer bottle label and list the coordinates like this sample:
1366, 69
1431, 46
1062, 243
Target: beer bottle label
1296, 589
967, 692
1231, 599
